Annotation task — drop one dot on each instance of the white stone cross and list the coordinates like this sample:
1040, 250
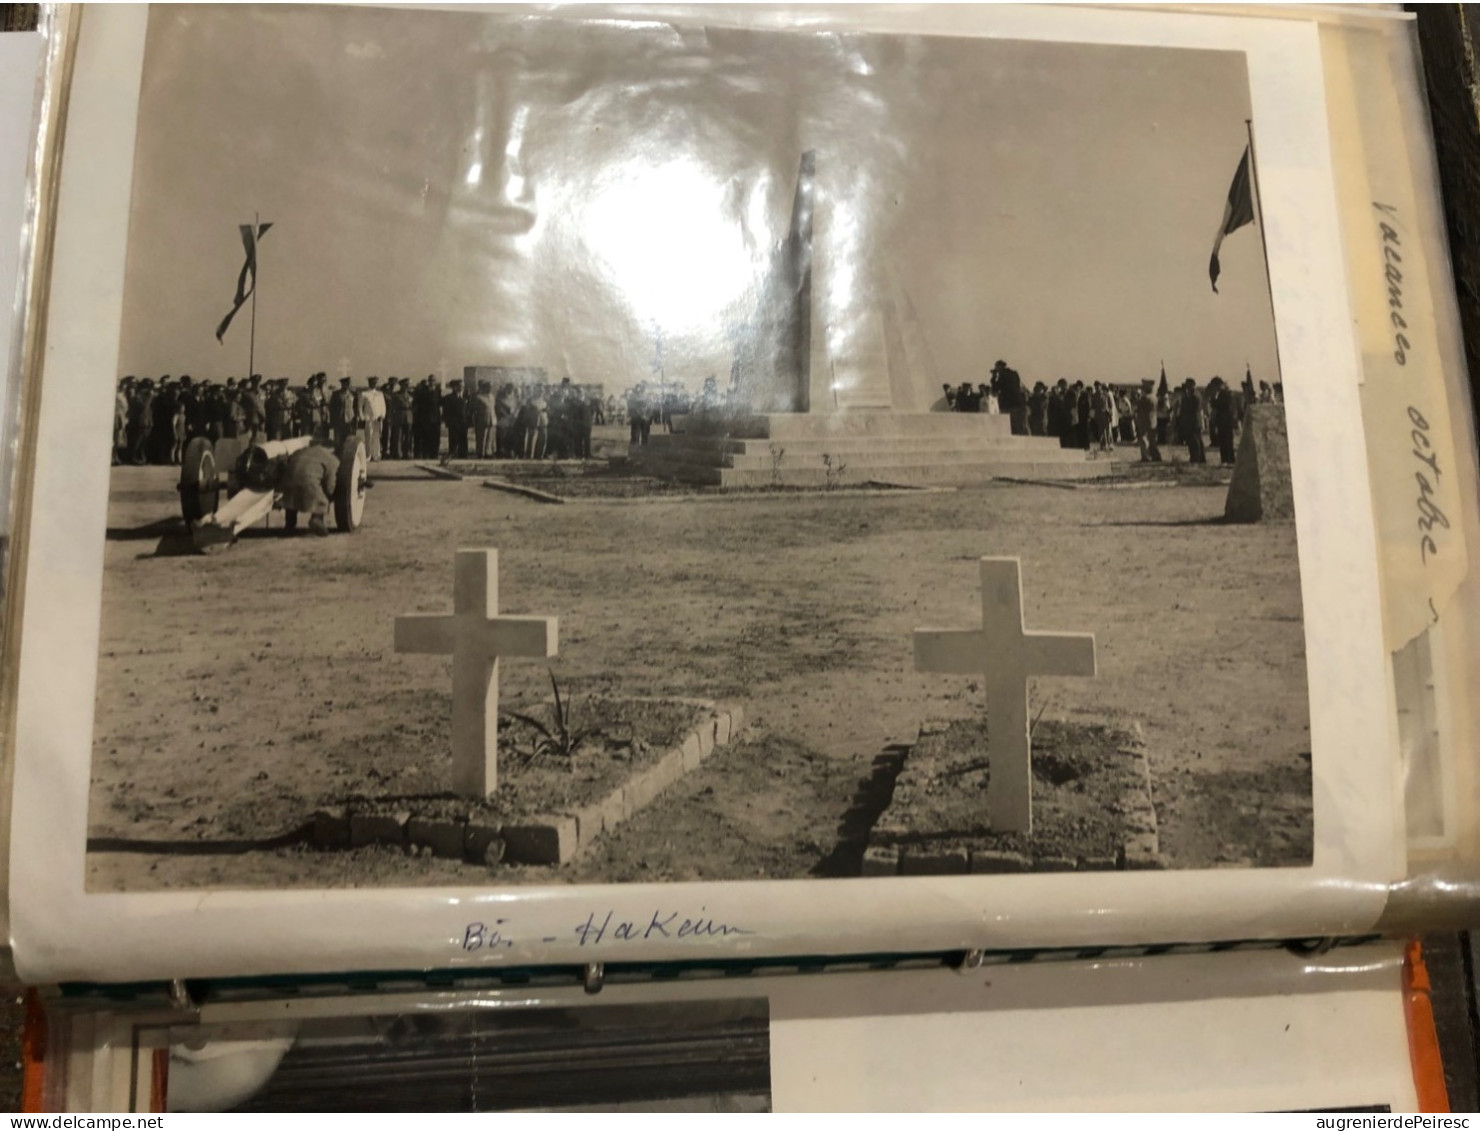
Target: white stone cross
443, 365
344, 367
476, 636
1005, 654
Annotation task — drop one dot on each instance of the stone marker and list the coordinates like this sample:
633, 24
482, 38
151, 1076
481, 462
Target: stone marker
1005, 655
1261, 490
476, 637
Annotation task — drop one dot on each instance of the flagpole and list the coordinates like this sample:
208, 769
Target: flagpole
1263, 243
256, 282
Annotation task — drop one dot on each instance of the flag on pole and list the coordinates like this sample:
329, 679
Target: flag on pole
1236, 213
246, 282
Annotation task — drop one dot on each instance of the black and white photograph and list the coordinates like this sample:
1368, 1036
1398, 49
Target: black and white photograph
554, 449
693, 1056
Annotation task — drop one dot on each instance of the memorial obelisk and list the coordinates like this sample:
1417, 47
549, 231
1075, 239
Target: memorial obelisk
781, 378
875, 415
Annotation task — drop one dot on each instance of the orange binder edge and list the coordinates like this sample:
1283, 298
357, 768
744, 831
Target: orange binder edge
159, 1078
1423, 1041
33, 1055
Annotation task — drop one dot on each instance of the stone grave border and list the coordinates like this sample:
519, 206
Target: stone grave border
1139, 851
520, 489
1090, 484
547, 839
872, 488
439, 471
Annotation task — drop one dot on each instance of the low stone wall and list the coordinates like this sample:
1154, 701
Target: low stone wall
546, 839
935, 822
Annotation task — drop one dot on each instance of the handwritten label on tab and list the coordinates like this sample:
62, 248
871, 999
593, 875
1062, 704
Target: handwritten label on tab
607, 928
1393, 274
1409, 430
1430, 514
486, 936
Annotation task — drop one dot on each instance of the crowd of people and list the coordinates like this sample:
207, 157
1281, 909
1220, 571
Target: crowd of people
153, 420
646, 405
1099, 415
401, 420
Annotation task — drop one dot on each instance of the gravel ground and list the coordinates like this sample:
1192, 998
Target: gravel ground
236, 692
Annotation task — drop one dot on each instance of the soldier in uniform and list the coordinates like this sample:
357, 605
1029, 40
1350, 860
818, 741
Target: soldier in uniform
454, 416
483, 418
1145, 411
582, 416
307, 482
372, 417
559, 409
408, 433
1038, 410
179, 429
470, 394
395, 420
1010, 397
415, 426
254, 406
639, 415
1056, 426
195, 414
162, 412
1190, 423
319, 402
418, 404
534, 420
1221, 419
232, 416
276, 409
210, 409
140, 421
343, 412
1103, 424
505, 412
303, 410
431, 423
120, 419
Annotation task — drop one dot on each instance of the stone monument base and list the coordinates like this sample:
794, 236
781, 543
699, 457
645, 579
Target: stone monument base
851, 448
1261, 489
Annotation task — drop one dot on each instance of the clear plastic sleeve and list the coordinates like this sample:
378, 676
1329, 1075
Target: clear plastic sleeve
722, 261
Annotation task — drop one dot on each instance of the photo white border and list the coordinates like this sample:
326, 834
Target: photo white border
60, 932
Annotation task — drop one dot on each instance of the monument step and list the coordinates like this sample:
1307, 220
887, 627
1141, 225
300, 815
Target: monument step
801, 425
844, 443
890, 458
909, 474
883, 455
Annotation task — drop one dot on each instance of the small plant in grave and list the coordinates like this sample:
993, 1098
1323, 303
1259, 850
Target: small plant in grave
559, 736
778, 453
833, 470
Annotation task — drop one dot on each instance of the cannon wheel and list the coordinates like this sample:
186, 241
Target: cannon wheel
349, 492
200, 493
228, 451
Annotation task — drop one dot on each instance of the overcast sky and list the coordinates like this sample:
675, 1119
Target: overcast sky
461, 188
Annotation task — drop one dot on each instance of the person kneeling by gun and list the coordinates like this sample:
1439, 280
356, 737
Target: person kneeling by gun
304, 481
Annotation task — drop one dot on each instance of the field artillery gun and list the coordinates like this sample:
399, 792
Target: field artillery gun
211, 469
